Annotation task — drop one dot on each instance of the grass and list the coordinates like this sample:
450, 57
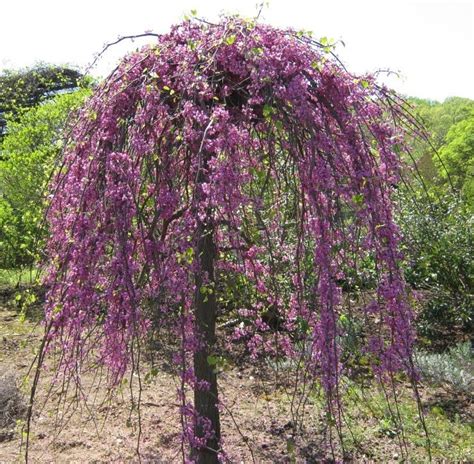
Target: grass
13, 277
376, 427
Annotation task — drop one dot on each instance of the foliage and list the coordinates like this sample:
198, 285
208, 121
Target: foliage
17, 277
454, 367
457, 158
28, 154
370, 417
230, 149
438, 119
26, 88
438, 247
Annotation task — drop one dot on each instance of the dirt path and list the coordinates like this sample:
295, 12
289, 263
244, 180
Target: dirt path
98, 432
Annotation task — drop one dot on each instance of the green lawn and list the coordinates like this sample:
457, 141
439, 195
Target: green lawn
14, 277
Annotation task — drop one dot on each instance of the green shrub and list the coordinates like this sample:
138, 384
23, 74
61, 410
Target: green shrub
438, 248
27, 156
454, 367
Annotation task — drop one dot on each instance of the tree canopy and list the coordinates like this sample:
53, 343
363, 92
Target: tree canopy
457, 157
439, 117
21, 89
435, 161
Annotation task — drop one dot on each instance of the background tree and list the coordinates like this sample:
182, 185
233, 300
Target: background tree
26, 88
438, 118
27, 156
457, 155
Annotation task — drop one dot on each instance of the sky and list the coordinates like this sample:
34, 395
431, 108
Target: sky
428, 43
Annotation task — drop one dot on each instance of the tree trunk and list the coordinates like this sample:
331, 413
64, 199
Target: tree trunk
205, 400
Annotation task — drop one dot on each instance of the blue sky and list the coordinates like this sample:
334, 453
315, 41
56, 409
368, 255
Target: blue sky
429, 42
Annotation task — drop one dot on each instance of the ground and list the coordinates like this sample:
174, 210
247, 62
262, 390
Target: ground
257, 422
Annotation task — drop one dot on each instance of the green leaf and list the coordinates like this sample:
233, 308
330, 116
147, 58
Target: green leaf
268, 110
230, 39
343, 319
212, 360
358, 199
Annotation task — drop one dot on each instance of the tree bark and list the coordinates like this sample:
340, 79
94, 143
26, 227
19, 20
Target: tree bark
205, 400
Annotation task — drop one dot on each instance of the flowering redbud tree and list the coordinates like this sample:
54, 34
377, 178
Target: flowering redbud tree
224, 153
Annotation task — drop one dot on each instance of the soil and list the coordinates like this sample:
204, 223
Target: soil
256, 418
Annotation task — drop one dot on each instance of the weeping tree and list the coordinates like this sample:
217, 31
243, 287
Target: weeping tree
224, 153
